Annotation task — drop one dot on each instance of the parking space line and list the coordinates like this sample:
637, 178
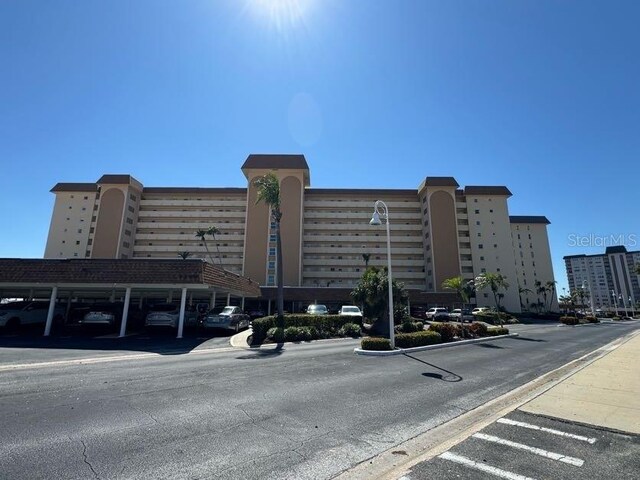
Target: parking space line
537, 451
530, 426
483, 467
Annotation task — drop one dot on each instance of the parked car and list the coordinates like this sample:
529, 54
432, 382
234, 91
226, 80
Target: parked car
256, 313
478, 310
417, 311
103, 314
229, 318
461, 314
15, 314
317, 310
168, 315
437, 314
351, 311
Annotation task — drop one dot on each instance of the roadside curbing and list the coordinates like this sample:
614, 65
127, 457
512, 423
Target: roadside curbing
402, 351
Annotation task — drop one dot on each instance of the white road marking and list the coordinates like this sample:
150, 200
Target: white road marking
538, 451
483, 467
530, 426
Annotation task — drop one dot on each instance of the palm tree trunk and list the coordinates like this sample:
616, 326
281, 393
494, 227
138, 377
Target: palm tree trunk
208, 252
218, 249
279, 275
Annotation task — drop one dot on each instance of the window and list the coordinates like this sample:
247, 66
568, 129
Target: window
495, 245
477, 222
80, 231
130, 222
128, 234
77, 242
87, 198
125, 244
480, 246
272, 251
477, 212
272, 265
90, 242
481, 259
479, 234
490, 211
75, 254
131, 209
133, 197
70, 207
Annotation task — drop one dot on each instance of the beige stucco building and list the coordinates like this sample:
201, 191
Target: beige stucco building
438, 230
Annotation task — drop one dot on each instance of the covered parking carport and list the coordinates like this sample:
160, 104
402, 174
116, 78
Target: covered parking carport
127, 279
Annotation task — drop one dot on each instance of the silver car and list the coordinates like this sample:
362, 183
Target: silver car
167, 315
229, 318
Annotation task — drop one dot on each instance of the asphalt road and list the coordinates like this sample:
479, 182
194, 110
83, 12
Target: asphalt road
307, 411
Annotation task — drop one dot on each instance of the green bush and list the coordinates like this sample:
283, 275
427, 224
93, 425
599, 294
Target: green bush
446, 330
418, 339
478, 329
496, 331
275, 334
326, 325
375, 343
616, 318
409, 327
495, 318
350, 330
569, 320
591, 319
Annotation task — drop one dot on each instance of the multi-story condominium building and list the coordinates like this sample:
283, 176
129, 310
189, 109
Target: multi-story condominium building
609, 277
438, 230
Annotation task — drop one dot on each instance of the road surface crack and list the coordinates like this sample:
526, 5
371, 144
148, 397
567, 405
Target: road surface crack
84, 457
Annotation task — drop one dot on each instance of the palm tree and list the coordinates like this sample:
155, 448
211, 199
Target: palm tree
269, 193
464, 288
493, 281
638, 269
526, 292
202, 235
184, 255
551, 288
541, 290
213, 231
366, 257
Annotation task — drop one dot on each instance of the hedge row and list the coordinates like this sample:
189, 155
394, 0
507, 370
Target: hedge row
409, 327
496, 331
417, 339
326, 325
569, 320
305, 334
495, 317
375, 343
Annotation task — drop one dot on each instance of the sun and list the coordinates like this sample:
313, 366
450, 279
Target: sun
283, 13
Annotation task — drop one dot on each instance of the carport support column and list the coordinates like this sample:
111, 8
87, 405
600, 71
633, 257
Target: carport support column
269, 307
212, 304
52, 307
125, 312
242, 303
228, 299
183, 304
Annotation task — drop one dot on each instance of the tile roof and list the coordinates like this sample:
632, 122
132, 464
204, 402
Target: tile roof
125, 271
528, 219
268, 161
75, 187
487, 190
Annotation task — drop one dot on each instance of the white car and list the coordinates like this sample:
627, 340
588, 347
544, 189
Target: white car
461, 315
478, 310
15, 314
350, 311
437, 313
167, 315
317, 310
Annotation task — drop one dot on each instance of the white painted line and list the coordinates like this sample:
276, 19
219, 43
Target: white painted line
530, 426
483, 467
538, 451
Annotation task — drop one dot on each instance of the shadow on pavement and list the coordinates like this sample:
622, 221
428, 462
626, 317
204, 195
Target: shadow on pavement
488, 345
162, 342
449, 377
525, 339
276, 351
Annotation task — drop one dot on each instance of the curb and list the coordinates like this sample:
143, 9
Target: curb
239, 340
402, 351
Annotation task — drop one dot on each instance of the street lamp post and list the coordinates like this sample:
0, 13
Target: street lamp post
633, 308
624, 305
615, 300
585, 285
380, 211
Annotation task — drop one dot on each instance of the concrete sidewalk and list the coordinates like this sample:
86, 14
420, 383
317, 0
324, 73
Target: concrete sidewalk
606, 393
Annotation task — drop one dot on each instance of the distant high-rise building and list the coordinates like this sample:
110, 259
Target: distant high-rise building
610, 277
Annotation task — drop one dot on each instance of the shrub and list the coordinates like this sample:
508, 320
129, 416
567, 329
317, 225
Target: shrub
446, 330
495, 331
418, 339
375, 343
569, 320
295, 334
350, 330
408, 327
616, 318
326, 325
478, 329
275, 334
495, 318
591, 319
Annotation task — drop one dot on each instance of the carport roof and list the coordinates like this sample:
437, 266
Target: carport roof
125, 272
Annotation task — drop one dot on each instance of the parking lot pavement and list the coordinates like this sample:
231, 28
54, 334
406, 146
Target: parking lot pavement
29, 346
523, 446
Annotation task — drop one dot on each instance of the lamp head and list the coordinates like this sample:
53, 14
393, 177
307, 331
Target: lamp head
375, 219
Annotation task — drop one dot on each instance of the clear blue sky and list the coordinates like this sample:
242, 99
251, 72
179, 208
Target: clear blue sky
541, 96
